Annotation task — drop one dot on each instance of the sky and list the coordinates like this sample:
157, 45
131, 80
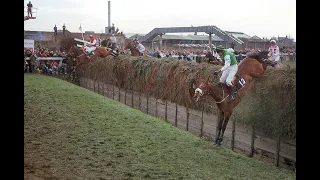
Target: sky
263, 18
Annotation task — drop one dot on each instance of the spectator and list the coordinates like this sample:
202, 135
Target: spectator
112, 29
64, 29
29, 9
55, 30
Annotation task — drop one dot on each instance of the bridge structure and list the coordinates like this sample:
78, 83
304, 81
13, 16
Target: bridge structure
227, 37
33, 12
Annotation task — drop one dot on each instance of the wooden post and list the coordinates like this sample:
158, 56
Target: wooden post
113, 91
277, 156
187, 119
140, 99
233, 133
87, 86
156, 108
104, 89
176, 117
201, 128
175, 99
252, 140
157, 101
94, 85
125, 96
98, 88
119, 92
165, 111
131, 94
147, 103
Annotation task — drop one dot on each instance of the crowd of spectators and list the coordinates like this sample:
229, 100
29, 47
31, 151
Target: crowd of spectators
187, 54
51, 67
43, 52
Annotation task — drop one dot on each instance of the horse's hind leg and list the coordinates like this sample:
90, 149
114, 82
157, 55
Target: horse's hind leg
224, 126
219, 125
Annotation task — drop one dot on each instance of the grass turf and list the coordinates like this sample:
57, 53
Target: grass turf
73, 133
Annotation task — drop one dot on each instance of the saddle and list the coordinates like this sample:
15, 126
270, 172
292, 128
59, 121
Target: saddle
238, 82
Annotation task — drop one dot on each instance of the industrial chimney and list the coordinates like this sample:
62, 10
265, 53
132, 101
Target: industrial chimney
109, 16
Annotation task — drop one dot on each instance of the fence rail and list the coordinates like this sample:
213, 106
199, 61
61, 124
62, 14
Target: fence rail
237, 137
48, 58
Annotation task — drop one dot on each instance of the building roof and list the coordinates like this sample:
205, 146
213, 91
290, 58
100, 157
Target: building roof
188, 37
238, 34
133, 35
255, 37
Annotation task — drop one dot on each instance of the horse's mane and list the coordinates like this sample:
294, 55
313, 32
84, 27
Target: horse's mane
104, 43
209, 55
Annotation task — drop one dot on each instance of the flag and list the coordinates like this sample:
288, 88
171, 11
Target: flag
80, 28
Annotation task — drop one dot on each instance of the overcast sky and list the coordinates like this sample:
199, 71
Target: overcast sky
264, 18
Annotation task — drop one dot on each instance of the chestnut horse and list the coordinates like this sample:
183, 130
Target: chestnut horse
134, 51
81, 58
253, 66
212, 59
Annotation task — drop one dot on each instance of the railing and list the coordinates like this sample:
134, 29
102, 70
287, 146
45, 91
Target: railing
48, 58
33, 12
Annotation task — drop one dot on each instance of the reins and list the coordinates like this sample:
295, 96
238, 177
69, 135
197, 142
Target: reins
224, 98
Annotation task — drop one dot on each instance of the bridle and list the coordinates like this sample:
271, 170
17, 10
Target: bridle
206, 92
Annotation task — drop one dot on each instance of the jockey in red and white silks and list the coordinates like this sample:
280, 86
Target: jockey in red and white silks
91, 46
274, 53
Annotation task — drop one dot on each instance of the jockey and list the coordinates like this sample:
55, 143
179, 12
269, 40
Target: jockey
274, 53
135, 41
91, 46
229, 69
140, 47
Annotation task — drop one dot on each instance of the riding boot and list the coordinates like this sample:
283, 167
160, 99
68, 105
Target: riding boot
231, 93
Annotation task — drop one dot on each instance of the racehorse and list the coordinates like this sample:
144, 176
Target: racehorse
81, 58
110, 46
134, 51
72, 55
212, 59
253, 66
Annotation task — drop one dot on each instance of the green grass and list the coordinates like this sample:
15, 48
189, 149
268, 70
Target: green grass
73, 133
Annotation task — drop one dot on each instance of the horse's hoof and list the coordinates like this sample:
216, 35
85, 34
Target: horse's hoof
216, 142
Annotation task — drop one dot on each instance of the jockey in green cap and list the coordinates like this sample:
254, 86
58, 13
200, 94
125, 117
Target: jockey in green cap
229, 69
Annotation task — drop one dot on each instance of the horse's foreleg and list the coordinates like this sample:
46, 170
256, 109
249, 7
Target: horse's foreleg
219, 125
224, 125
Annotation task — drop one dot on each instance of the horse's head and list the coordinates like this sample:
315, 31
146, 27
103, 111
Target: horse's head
209, 54
263, 55
128, 46
105, 42
72, 51
201, 90
267, 62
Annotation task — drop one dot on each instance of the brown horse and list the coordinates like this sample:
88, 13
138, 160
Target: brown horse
253, 66
134, 51
101, 52
73, 54
81, 58
212, 59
